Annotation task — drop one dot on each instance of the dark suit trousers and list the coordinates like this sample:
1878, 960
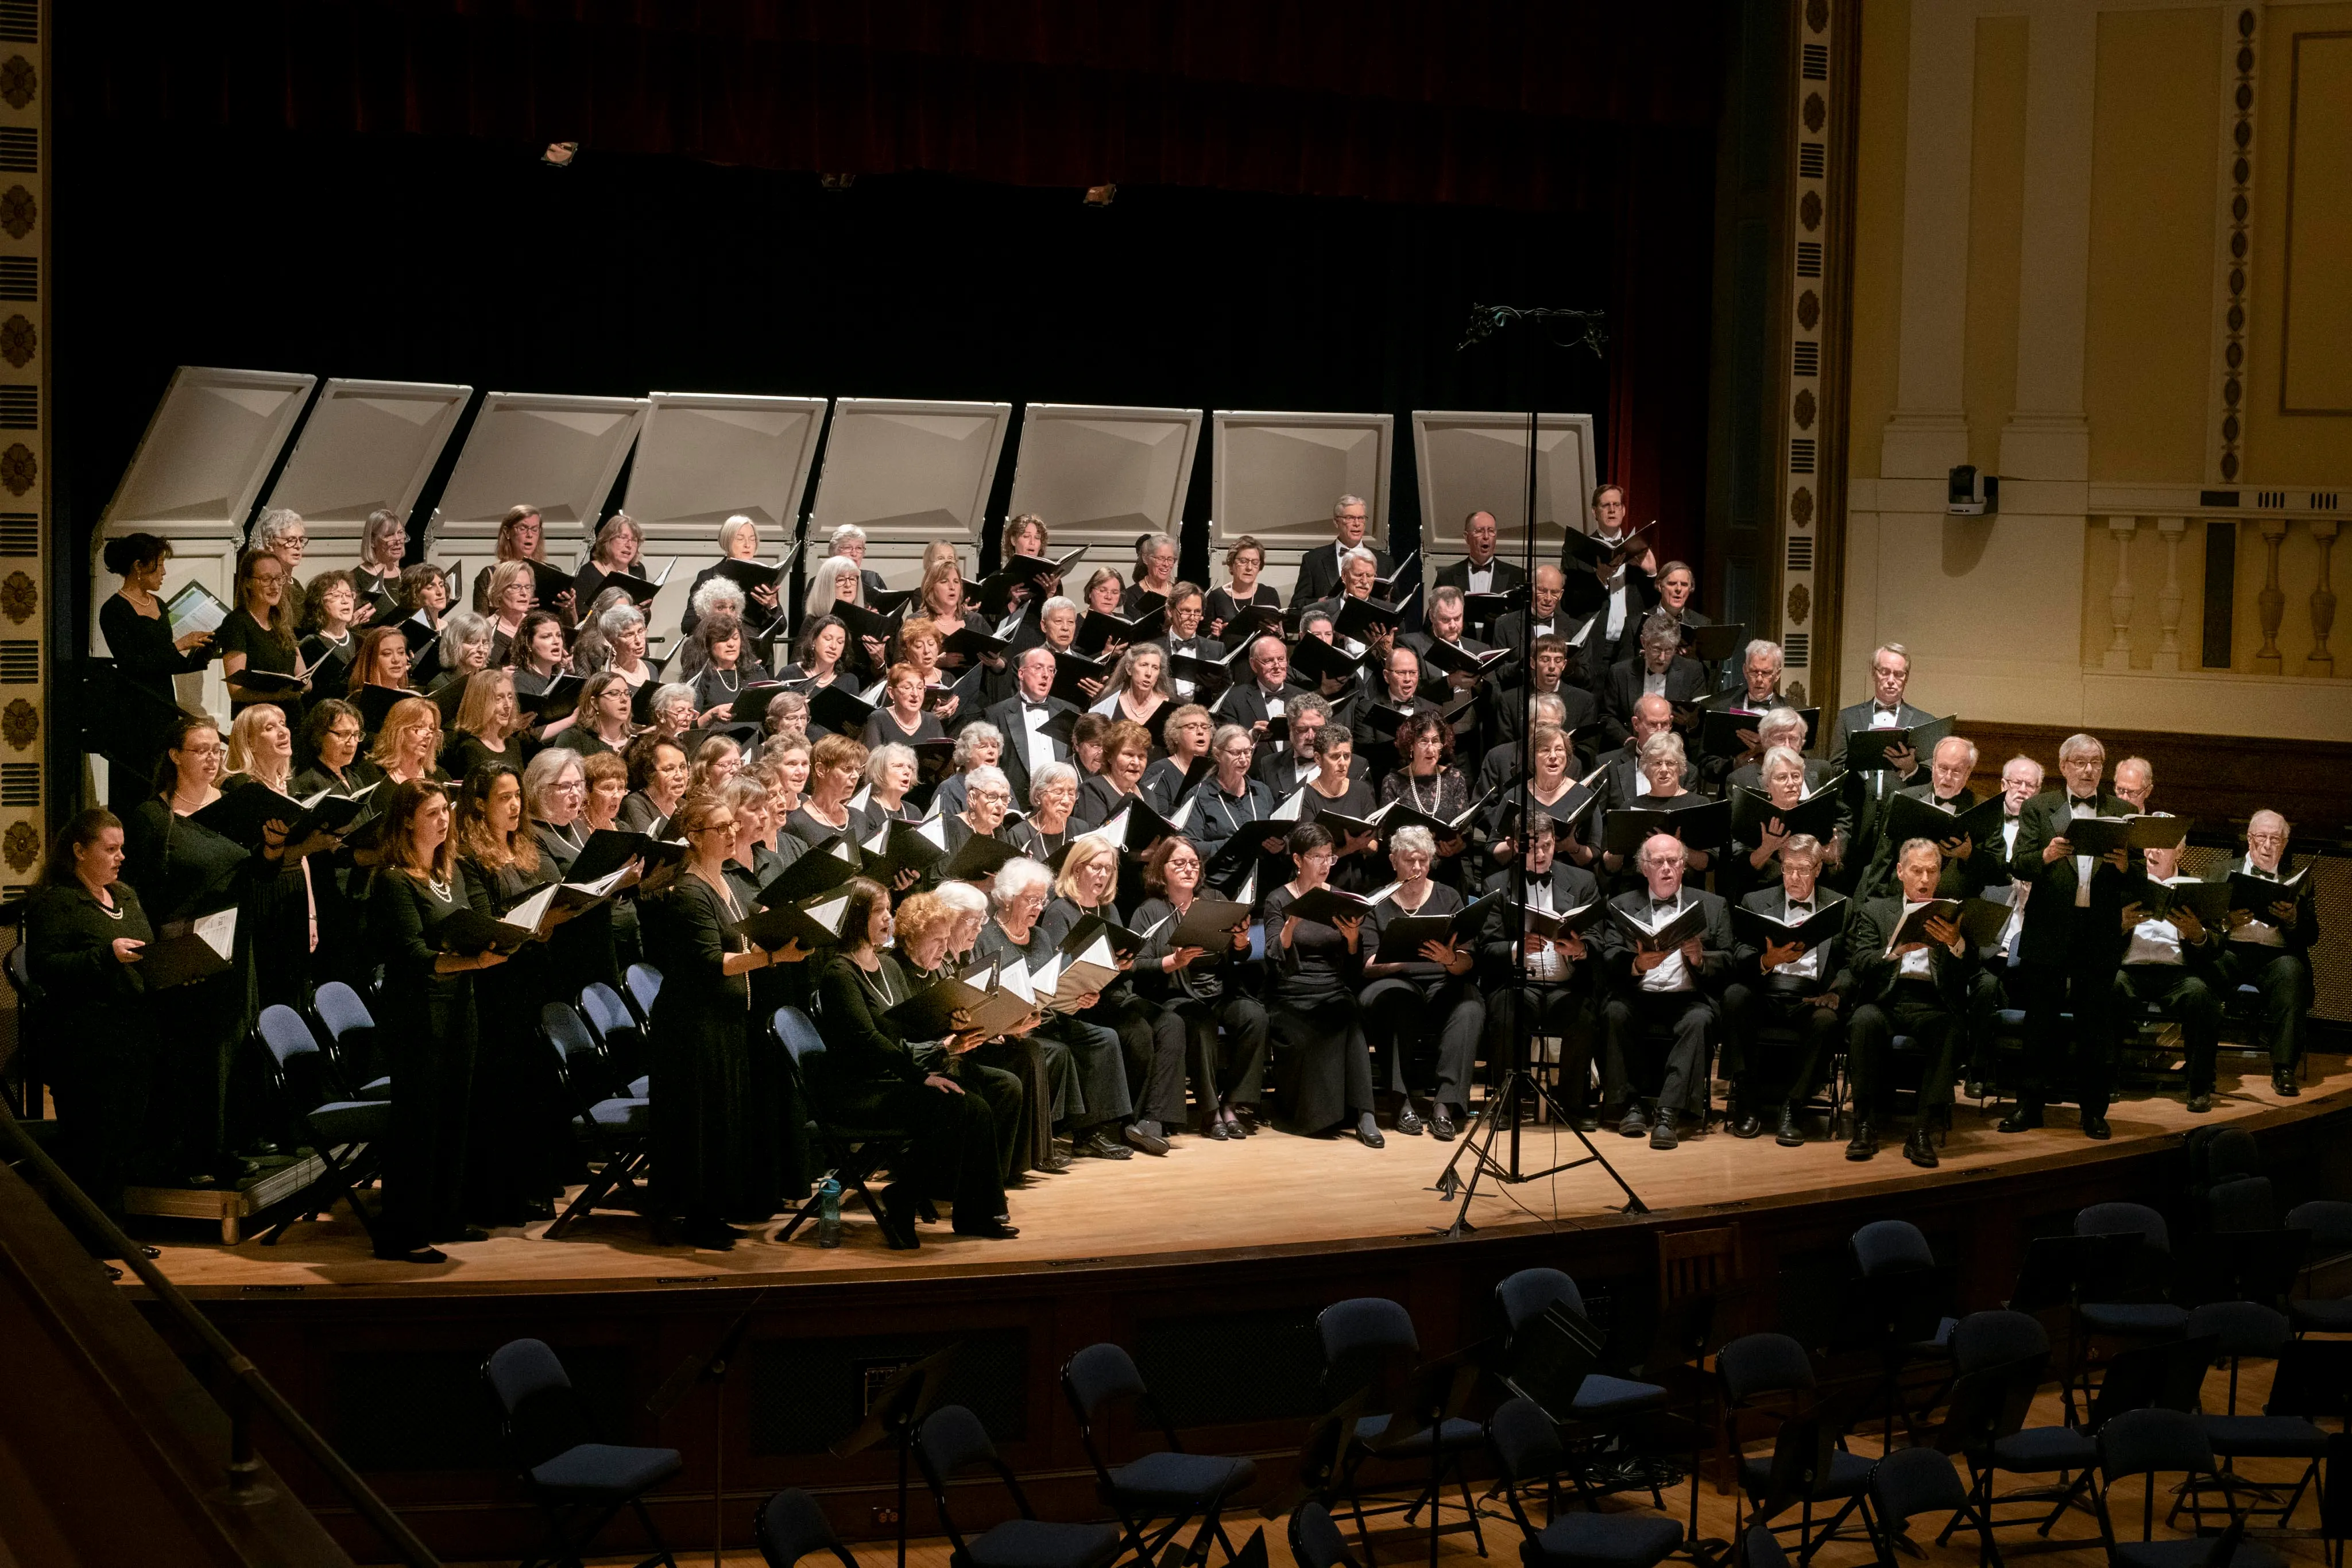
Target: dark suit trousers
1631, 1060
1777, 1002
2086, 983
1400, 1012
1557, 1010
1154, 1057
2184, 995
1915, 1009
2283, 978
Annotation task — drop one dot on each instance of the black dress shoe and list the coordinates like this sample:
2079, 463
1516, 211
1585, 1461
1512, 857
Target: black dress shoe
1587, 1121
2282, 1081
1367, 1132
2097, 1128
112, 1271
2199, 1104
1748, 1125
1975, 1089
1100, 1144
1409, 1121
1791, 1136
1441, 1126
1634, 1123
2021, 1117
1215, 1128
537, 1208
1662, 1136
1145, 1139
1054, 1164
1864, 1145
1919, 1148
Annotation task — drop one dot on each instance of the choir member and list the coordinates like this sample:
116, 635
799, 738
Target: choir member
2269, 949
705, 1164
1081, 1060
1052, 796
1155, 575
1781, 726
1919, 989
920, 640
1105, 595
1183, 639
672, 710
978, 744
1445, 612
1579, 710
1553, 988
384, 539
1229, 800
1664, 772
327, 646
786, 719
332, 732
1155, 1058
1027, 535
1788, 985
1500, 767
2073, 937
1220, 1030
617, 550
925, 928
146, 656
849, 542
1126, 753
987, 796
259, 632
520, 538
1318, 568
1334, 787
1615, 597
1288, 770
1866, 792
1967, 867
608, 785
260, 749
600, 719
1022, 717
1480, 569
428, 1024
942, 602
1018, 1051
1659, 670
838, 579
381, 660
1543, 605
836, 765
465, 641
738, 539
1671, 993
720, 596
488, 729
84, 933
408, 745
281, 531
715, 763
1428, 998
1323, 1067
1399, 692
1267, 695
1087, 735
890, 773
539, 657
2136, 782
555, 795
2174, 960
1244, 558
1748, 867
658, 772
424, 594
1185, 733
1138, 686
817, 660
513, 594
622, 628
902, 719
2021, 781
1430, 783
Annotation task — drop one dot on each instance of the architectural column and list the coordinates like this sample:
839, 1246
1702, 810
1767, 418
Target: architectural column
2167, 603
1928, 433
2120, 594
2272, 601
2047, 435
2319, 661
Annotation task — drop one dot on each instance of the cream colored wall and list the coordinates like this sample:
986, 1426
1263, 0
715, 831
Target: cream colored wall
2043, 194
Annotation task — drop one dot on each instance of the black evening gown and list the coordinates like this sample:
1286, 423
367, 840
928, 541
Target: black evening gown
98, 1041
429, 1030
1323, 1069
703, 1166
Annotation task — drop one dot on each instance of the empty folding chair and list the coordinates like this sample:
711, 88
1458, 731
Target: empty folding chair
644, 983
350, 1134
2329, 1221
1315, 1538
351, 1039
2248, 1330
1905, 1294
1368, 1341
790, 1526
1911, 1481
1809, 1463
619, 1030
952, 1441
2143, 1445
580, 1485
1528, 1451
1604, 1406
619, 1125
1172, 1484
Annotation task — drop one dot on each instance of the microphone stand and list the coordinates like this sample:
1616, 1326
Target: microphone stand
710, 1366
1520, 1086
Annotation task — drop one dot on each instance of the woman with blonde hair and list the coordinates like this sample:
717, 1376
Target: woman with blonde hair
513, 594
384, 539
488, 726
261, 748
1087, 886
600, 723
783, 771
902, 719
259, 634
408, 745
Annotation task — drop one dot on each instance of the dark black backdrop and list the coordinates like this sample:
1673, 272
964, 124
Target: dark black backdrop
411, 257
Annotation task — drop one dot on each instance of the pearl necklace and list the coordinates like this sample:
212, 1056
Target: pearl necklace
1412, 786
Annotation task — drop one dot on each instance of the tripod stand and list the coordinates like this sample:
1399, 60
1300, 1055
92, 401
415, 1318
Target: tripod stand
1520, 1086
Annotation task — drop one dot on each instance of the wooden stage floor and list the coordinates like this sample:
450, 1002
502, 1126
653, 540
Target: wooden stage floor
1272, 1195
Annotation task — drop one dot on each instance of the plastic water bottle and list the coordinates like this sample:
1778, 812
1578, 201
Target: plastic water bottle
828, 1213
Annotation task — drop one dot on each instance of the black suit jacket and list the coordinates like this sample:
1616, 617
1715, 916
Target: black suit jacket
1507, 576
2055, 932
1318, 572
1959, 879
2305, 929
1616, 953
1244, 705
1685, 683
1748, 958
1571, 888
1007, 716
1870, 926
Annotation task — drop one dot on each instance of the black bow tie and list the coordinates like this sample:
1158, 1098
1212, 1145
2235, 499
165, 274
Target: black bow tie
1659, 906
1033, 708
2093, 803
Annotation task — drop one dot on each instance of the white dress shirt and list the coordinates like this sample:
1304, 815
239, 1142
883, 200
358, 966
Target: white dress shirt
2156, 940
2261, 932
1805, 966
1481, 578
2083, 864
1546, 965
1919, 964
1673, 974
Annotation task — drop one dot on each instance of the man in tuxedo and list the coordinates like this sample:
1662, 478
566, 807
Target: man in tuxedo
2135, 782
1966, 867
1789, 985
1890, 675
1989, 992
1022, 716
1579, 710
2072, 938
1284, 770
2269, 949
1266, 696
1543, 603
1399, 688
1661, 671
1758, 693
1318, 568
1556, 1002
1616, 600
1480, 571
1183, 637
2174, 961
1672, 991
1918, 988
1446, 613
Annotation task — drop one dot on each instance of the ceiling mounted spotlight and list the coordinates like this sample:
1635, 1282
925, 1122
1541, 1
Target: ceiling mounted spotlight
1101, 196
560, 154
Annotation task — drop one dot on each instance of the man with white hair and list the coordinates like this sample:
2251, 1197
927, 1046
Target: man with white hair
1659, 670
2270, 948
2072, 939
1318, 568
1257, 704
1670, 992
1918, 988
1946, 788
1024, 716
2173, 961
1759, 694
2021, 781
2136, 782
1866, 792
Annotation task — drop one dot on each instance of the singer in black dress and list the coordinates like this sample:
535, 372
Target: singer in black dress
146, 656
1324, 1067
1199, 993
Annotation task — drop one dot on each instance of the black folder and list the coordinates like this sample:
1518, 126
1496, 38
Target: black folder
1701, 827
1866, 749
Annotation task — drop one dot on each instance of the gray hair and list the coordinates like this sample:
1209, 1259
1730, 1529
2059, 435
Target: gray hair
1662, 627
670, 692
2076, 746
1016, 879
849, 533
382, 518
1449, 595
1226, 732
1765, 645
1415, 839
988, 774
718, 593
544, 772
967, 744
620, 618
1662, 743
1354, 553
459, 628
1780, 721
962, 897
1344, 502
730, 528
1544, 703
1774, 757
271, 526
1059, 602
1964, 740
1149, 544
1310, 703
822, 589
1045, 777
1802, 846
878, 760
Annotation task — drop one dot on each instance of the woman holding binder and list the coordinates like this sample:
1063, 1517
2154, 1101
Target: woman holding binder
659, 771
259, 636
725, 668
328, 641
600, 721
902, 718
1749, 866
1198, 991
1087, 888
520, 541
333, 734
429, 1025
1660, 759
489, 727
85, 932
1431, 785
408, 747
1425, 997
1324, 1067
384, 539
926, 926
869, 1075
146, 656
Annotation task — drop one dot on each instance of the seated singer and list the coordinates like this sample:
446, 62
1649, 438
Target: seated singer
2174, 961
2269, 949
1788, 986
1669, 994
